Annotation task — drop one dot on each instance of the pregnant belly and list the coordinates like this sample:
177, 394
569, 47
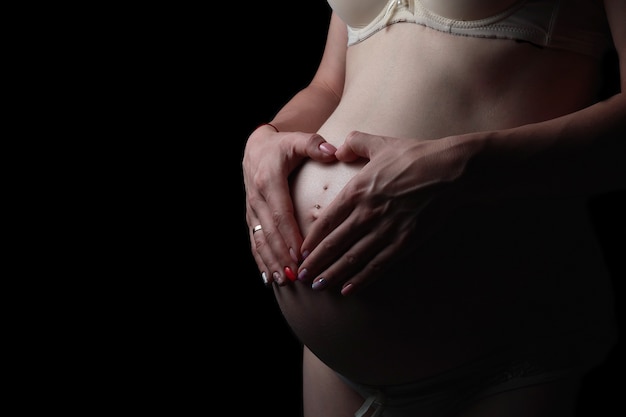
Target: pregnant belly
451, 301
416, 314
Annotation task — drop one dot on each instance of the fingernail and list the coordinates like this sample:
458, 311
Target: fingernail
302, 274
264, 276
328, 148
290, 274
347, 289
305, 254
319, 284
293, 255
277, 278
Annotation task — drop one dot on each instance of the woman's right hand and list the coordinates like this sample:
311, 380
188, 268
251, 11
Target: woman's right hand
269, 158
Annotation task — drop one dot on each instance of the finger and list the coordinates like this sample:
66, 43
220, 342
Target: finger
407, 237
270, 250
334, 244
359, 145
375, 265
366, 258
314, 146
262, 251
253, 228
343, 268
328, 235
280, 246
263, 270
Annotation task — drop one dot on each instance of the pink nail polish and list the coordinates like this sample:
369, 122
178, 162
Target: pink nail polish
347, 289
328, 148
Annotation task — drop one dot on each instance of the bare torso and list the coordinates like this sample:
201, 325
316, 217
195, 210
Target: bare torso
485, 281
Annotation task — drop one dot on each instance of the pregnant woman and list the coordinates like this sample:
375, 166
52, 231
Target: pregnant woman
420, 208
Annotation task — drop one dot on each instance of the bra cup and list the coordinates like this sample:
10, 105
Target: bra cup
578, 26
358, 13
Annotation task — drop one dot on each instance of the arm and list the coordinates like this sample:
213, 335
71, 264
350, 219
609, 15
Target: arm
581, 153
420, 182
270, 157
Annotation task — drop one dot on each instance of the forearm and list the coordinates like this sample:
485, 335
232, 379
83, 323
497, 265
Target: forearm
307, 110
581, 153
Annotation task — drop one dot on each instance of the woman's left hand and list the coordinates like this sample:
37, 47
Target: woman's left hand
392, 205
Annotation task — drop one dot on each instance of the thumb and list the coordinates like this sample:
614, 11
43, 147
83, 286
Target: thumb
314, 146
358, 145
